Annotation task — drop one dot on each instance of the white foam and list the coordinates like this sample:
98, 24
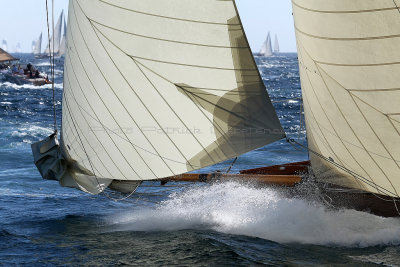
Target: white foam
245, 210
31, 130
31, 86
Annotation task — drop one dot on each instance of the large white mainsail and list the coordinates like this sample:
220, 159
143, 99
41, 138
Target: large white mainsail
266, 49
157, 88
57, 36
38, 45
349, 64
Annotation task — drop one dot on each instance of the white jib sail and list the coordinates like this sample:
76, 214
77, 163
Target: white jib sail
63, 40
56, 35
266, 49
38, 45
158, 88
276, 45
349, 63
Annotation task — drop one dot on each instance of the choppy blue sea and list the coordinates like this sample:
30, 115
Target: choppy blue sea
223, 224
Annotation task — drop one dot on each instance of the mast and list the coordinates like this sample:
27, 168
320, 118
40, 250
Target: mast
156, 89
276, 45
348, 56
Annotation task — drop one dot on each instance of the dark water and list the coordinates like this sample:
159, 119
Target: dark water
42, 224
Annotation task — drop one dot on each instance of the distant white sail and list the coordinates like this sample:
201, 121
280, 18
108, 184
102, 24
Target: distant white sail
38, 45
56, 35
266, 49
276, 45
61, 52
349, 64
158, 88
4, 45
18, 48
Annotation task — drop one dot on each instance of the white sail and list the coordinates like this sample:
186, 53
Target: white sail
4, 45
38, 45
266, 49
63, 43
33, 46
158, 88
276, 45
349, 63
57, 36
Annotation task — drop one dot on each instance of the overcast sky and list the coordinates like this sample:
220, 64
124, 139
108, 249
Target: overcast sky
23, 20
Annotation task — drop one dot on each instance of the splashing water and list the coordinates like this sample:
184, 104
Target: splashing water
239, 209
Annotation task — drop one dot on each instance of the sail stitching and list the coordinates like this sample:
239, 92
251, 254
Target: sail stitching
352, 95
346, 148
341, 112
79, 106
149, 113
167, 40
137, 62
344, 11
319, 126
85, 71
171, 18
348, 39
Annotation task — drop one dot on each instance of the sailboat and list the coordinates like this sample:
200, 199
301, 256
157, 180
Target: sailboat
4, 45
55, 39
141, 103
63, 42
37, 50
266, 49
276, 45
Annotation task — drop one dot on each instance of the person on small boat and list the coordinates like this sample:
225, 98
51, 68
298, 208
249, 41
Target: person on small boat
15, 69
21, 71
37, 75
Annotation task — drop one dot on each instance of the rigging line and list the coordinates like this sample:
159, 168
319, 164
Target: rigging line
168, 40
159, 155
80, 109
51, 62
363, 179
342, 115
53, 75
398, 9
233, 163
171, 18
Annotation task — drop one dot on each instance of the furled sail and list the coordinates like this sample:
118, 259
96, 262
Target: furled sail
158, 88
38, 45
349, 64
276, 45
56, 35
61, 52
4, 56
266, 49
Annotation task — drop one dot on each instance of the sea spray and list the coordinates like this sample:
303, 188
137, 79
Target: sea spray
241, 209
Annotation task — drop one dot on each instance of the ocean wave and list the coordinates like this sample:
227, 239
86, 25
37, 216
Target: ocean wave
30, 86
239, 209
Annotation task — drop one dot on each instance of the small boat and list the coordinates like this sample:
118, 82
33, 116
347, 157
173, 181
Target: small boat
19, 79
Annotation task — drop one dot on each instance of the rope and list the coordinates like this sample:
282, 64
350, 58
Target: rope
230, 167
51, 41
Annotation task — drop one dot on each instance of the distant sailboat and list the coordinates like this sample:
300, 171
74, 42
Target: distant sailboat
56, 37
38, 47
18, 48
129, 111
266, 49
4, 45
276, 45
61, 52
